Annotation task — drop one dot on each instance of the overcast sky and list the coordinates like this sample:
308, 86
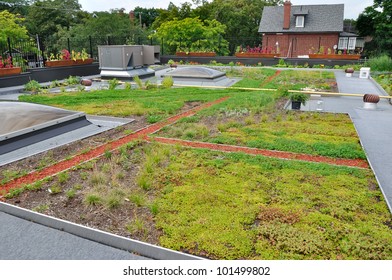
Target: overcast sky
352, 8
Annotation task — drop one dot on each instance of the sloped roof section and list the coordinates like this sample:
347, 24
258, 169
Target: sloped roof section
319, 18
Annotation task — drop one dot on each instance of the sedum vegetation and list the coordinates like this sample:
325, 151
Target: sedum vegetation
234, 206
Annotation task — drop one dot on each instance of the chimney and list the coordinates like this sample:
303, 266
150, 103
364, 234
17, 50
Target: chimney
286, 14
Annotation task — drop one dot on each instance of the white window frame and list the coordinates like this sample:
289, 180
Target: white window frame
300, 21
343, 43
352, 41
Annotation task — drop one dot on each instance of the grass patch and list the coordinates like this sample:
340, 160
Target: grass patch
121, 103
296, 80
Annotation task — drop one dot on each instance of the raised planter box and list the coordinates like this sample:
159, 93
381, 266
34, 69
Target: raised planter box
196, 54
335, 56
257, 55
62, 63
10, 71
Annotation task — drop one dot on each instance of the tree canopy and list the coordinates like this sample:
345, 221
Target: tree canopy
46, 17
11, 27
376, 21
15, 6
191, 34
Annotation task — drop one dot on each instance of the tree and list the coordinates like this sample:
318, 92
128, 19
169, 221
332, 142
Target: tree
112, 27
46, 17
11, 27
376, 21
349, 25
15, 6
241, 17
148, 16
191, 34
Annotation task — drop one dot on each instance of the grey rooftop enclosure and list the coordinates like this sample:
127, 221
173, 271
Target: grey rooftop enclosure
126, 61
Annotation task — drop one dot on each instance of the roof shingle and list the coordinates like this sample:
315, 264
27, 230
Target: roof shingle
320, 18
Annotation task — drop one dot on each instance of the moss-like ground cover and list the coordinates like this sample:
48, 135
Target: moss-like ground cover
157, 104
312, 133
233, 206
298, 79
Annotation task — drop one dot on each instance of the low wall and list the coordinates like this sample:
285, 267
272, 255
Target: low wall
49, 74
59, 73
255, 61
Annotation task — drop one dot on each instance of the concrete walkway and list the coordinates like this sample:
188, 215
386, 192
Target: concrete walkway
24, 240
374, 127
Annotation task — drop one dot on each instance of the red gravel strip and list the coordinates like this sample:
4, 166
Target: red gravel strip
269, 79
99, 151
268, 153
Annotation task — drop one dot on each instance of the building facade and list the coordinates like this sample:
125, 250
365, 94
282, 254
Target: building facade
297, 31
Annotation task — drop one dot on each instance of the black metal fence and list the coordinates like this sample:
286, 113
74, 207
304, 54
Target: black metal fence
32, 53
24, 53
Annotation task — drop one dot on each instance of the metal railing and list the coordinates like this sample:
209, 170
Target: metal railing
32, 53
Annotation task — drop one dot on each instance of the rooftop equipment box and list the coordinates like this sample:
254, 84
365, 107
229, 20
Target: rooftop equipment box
122, 58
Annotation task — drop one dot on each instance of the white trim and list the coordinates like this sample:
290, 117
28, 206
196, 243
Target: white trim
343, 43
298, 22
352, 41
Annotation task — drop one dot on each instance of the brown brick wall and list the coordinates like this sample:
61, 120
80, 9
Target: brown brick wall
301, 44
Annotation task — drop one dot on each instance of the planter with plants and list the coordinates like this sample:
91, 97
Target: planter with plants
256, 52
335, 56
7, 68
65, 58
328, 54
297, 99
196, 53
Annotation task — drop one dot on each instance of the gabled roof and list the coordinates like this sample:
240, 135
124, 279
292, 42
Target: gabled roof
319, 18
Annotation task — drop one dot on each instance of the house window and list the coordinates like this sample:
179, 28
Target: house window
343, 42
351, 43
300, 21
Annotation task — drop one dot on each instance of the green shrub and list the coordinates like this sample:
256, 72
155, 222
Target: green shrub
148, 85
138, 82
128, 86
381, 63
113, 84
167, 82
93, 199
301, 97
33, 86
72, 80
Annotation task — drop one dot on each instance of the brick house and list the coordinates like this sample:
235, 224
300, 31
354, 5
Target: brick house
299, 30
